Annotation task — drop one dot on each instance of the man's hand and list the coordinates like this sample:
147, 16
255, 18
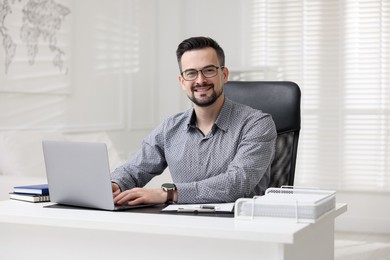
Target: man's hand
138, 196
115, 189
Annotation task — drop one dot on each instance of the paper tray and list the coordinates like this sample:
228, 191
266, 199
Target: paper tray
301, 205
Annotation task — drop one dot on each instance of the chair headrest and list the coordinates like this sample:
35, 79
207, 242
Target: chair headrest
281, 99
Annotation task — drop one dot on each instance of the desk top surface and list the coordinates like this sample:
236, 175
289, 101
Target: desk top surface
17, 212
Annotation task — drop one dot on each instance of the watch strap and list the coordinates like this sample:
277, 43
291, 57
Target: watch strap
170, 194
170, 189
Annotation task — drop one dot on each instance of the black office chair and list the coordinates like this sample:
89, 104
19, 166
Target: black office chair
281, 99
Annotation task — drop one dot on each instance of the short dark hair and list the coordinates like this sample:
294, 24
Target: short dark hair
197, 43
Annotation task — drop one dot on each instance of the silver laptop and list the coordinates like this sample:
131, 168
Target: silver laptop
78, 174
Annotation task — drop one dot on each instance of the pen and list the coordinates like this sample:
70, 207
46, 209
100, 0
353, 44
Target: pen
196, 210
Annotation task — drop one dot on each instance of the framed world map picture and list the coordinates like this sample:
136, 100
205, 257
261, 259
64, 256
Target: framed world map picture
35, 39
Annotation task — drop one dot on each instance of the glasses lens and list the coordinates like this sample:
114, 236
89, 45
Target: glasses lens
209, 72
190, 74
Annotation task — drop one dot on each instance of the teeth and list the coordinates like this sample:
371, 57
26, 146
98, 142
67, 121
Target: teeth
201, 89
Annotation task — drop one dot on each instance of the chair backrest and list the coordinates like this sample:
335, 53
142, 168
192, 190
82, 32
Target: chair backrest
281, 99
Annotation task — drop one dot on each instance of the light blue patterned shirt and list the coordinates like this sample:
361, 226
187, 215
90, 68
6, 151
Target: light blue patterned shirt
230, 162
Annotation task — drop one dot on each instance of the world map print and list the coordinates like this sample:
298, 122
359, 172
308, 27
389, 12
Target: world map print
41, 21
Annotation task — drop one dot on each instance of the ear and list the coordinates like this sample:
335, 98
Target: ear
181, 82
225, 74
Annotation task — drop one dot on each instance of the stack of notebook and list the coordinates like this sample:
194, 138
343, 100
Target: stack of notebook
31, 193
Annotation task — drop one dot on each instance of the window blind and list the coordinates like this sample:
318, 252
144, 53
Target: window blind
338, 52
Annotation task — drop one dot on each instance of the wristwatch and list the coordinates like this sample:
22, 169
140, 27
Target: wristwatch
170, 188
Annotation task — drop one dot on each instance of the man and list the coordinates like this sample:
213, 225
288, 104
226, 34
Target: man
218, 151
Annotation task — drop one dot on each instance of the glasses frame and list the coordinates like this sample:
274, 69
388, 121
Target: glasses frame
201, 71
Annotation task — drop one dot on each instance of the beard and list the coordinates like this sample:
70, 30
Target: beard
205, 101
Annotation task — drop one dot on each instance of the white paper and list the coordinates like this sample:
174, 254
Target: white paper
219, 207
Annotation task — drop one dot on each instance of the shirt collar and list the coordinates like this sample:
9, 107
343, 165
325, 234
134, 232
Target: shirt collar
192, 119
223, 120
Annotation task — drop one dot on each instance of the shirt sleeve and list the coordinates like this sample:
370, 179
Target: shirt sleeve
147, 163
248, 173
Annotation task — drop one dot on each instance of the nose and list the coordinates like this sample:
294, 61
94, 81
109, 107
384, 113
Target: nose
201, 78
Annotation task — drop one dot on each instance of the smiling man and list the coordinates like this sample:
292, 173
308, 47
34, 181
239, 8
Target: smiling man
217, 151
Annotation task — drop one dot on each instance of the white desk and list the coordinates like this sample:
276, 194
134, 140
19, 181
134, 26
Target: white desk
30, 231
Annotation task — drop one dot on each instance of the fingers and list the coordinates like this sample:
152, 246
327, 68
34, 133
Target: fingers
115, 189
137, 196
116, 193
127, 197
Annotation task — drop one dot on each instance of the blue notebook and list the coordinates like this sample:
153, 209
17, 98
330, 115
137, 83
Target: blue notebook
40, 189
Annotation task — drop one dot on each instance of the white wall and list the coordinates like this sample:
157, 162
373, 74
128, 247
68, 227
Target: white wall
367, 212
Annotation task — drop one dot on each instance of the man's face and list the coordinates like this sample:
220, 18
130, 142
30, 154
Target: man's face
203, 91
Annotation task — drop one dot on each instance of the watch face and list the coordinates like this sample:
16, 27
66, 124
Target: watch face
169, 186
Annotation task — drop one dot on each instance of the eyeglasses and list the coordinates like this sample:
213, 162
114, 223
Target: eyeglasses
207, 72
